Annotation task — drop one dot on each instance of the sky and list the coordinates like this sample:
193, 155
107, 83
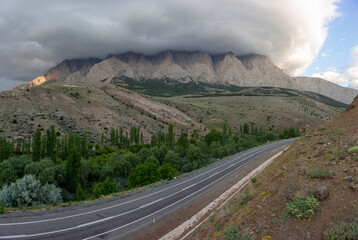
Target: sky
303, 37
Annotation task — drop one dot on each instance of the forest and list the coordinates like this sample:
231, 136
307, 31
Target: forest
49, 168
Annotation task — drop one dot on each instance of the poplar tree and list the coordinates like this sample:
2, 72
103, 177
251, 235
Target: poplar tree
36, 146
121, 137
170, 135
73, 165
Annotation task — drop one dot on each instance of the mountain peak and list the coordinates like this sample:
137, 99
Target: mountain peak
252, 70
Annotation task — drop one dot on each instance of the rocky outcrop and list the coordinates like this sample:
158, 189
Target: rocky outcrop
247, 71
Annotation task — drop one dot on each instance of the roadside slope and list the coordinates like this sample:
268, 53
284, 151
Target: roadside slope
316, 161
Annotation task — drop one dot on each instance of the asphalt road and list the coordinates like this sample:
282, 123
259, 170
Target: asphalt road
118, 218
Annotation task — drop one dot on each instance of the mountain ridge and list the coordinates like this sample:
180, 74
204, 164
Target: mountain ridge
251, 70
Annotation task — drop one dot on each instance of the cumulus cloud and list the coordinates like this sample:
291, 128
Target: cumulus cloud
38, 34
353, 70
331, 76
347, 75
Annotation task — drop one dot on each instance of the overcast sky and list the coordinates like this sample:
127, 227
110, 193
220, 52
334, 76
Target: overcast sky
36, 35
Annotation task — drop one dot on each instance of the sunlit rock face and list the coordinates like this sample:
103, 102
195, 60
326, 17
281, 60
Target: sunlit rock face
247, 71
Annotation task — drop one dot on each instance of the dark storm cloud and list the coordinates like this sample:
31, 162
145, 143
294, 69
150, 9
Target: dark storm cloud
36, 35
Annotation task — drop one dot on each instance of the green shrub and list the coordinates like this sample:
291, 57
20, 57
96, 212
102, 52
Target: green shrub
302, 206
342, 231
217, 227
317, 173
235, 233
166, 171
144, 174
104, 188
80, 195
254, 180
353, 149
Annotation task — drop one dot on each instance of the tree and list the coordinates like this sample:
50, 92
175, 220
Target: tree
193, 153
19, 163
153, 141
246, 128
104, 188
33, 168
172, 158
47, 175
36, 146
6, 149
113, 137
84, 146
166, 171
170, 135
80, 195
183, 140
144, 174
7, 173
51, 142
212, 136
106, 171
132, 159
121, 167
73, 165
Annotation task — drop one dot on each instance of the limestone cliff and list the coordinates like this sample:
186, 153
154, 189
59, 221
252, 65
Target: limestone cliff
250, 70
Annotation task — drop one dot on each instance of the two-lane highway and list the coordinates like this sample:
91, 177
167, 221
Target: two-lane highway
118, 218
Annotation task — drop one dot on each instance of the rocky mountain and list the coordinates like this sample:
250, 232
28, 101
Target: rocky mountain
246, 71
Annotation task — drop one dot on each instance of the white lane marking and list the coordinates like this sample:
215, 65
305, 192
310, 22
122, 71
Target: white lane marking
121, 214
148, 204
149, 215
14, 236
188, 187
94, 222
105, 208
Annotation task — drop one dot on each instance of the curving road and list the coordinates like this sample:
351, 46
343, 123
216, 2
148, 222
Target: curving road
118, 218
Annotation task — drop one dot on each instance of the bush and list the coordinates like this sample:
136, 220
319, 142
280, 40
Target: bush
245, 197
19, 163
302, 206
104, 188
27, 191
235, 233
353, 149
80, 195
106, 171
342, 231
254, 180
317, 173
144, 174
7, 173
166, 171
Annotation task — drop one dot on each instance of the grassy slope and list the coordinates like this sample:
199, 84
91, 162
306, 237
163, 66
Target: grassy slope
265, 111
264, 215
99, 106
90, 107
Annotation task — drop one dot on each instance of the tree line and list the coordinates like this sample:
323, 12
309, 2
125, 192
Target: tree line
69, 168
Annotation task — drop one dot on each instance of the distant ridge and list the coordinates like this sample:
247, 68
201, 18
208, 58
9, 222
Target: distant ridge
247, 71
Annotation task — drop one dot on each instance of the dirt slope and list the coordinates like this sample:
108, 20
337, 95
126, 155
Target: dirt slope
96, 107
317, 160
85, 107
